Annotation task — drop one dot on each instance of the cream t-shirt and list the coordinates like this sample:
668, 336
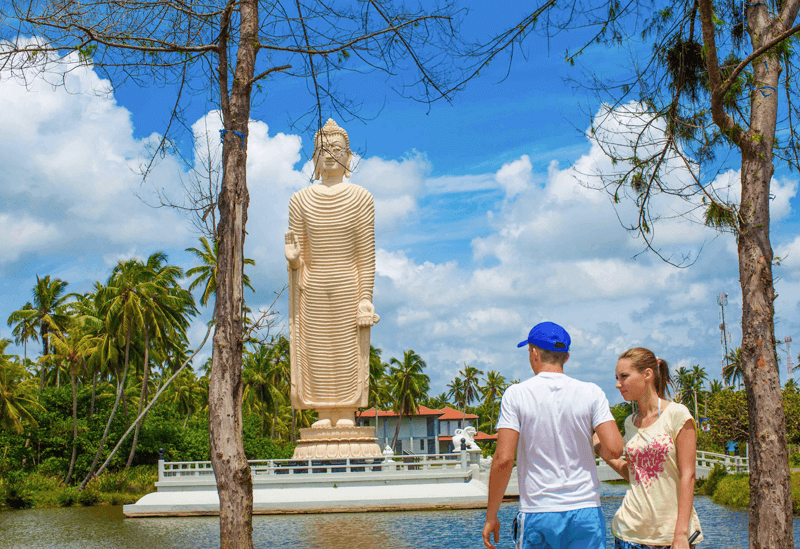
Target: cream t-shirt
650, 508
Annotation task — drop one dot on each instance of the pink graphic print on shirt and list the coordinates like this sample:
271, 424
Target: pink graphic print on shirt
647, 462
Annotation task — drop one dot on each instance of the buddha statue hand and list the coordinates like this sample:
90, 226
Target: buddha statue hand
366, 316
292, 250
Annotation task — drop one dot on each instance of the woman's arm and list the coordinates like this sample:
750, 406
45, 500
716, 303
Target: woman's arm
686, 446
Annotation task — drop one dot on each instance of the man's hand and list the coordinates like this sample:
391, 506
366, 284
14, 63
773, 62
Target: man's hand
492, 525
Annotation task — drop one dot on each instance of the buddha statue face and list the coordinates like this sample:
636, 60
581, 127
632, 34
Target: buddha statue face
332, 154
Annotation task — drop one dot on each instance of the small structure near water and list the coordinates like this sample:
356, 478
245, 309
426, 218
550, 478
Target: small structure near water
392, 483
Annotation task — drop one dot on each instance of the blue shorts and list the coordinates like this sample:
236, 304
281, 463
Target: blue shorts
577, 529
622, 544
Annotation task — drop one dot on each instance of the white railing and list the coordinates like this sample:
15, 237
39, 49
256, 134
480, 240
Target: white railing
732, 464
259, 469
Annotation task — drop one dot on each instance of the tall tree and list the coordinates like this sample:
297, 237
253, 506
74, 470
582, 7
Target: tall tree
410, 385
47, 314
707, 78
472, 389
71, 349
18, 394
123, 300
207, 272
732, 372
25, 328
494, 387
165, 308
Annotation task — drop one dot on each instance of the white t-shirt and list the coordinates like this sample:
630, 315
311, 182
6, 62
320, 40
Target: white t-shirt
555, 416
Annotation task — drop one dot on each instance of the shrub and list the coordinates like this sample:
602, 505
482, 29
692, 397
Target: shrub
717, 473
15, 494
118, 498
136, 480
88, 497
68, 497
796, 493
733, 490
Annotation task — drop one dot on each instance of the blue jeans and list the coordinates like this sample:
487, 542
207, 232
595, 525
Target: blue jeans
577, 529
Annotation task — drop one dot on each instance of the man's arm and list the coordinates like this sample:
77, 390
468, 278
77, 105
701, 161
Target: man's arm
611, 443
502, 465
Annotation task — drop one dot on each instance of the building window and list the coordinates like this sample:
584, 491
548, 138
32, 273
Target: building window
421, 444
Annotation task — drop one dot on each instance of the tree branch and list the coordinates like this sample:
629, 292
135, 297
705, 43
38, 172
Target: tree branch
722, 119
747, 60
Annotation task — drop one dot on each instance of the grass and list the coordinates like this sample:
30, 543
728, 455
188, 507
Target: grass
22, 491
734, 491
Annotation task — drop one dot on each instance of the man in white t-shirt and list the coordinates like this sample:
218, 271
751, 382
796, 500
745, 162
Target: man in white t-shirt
548, 421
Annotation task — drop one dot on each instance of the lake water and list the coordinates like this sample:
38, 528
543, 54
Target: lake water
105, 527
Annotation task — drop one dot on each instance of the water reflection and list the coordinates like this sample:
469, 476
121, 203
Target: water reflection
104, 527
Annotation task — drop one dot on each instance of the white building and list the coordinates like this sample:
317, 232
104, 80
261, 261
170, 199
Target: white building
430, 431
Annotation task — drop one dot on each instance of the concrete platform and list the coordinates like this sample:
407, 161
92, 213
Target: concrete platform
409, 483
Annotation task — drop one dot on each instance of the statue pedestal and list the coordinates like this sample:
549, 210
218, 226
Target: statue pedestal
337, 442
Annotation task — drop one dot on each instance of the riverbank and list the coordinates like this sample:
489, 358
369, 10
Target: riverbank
734, 491
36, 490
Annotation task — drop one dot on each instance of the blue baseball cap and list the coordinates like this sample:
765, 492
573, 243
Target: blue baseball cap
548, 336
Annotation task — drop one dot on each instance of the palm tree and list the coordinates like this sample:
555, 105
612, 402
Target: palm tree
207, 272
471, 387
25, 328
456, 392
166, 308
437, 402
733, 372
186, 394
123, 310
47, 313
410, 386
494, 387
379, 391
715, 386
261, 386
72, 350
18, 395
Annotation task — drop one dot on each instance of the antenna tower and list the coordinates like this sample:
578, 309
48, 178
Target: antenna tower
789, 365
725, 336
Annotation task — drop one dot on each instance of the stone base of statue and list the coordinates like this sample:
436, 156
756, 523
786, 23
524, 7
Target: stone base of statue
337, 442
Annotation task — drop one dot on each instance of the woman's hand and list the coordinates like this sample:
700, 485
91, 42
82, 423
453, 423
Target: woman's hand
680, 541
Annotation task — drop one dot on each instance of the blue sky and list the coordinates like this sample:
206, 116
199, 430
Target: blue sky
484, 226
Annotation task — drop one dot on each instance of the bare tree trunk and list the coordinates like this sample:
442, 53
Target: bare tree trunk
770, 491
74, 426
94, 393
234, 481
770, 525
45, 348
142, 396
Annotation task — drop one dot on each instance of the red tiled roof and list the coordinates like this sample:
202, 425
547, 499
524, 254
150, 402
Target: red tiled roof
480, 437
452, 413
421, 411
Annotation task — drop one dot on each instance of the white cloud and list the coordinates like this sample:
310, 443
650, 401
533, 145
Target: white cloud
23, 234
514, 177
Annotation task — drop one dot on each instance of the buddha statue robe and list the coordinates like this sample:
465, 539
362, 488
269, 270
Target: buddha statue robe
334, 227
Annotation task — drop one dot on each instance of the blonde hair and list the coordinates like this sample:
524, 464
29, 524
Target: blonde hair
642, 359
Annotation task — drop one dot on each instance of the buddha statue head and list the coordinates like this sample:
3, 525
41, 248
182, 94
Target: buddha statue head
332, 153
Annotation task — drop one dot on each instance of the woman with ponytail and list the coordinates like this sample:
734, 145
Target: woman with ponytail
659, 459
